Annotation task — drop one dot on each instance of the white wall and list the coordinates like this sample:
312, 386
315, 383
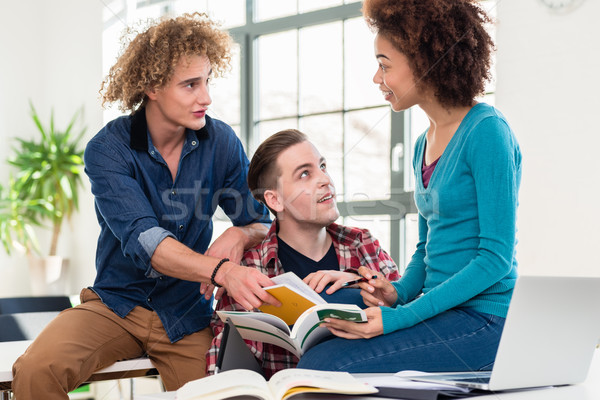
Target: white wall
51, 53
549, 89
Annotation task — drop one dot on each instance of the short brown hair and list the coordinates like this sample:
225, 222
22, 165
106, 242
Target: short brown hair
151, 56
263, 170
448, 47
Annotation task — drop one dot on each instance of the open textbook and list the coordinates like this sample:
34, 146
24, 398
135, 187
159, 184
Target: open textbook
282, 385
301, 307
295, 297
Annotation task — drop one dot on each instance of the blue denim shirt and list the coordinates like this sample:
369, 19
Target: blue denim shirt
138, 205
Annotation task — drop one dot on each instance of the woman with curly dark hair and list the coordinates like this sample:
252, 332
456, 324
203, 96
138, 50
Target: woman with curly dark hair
157, 176
447, 312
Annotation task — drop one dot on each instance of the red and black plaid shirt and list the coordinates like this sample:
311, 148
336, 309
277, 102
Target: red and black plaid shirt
354, 248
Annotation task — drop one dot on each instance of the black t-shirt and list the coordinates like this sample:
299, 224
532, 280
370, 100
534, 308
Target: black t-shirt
293, 261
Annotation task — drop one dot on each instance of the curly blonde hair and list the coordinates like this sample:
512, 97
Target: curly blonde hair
150, 58
446, 42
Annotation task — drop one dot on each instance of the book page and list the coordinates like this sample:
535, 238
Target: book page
268, 318
305, 380
252, 328
237, 382
347, 312
294, 282
307, 330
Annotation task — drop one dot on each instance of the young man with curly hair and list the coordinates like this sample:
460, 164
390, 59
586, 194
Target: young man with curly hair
157, 176
289, 175
447, 311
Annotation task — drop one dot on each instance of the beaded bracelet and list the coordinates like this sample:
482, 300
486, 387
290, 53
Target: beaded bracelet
214, 273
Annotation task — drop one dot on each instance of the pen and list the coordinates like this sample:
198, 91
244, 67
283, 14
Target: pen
355, 281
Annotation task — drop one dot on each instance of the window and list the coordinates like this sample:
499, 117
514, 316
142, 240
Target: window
309, 65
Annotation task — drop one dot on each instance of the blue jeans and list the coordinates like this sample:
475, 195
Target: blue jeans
456, 340
344, 296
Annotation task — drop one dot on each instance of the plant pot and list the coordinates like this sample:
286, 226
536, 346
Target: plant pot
48, 275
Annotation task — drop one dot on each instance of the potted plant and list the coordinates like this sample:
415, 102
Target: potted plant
44, 189
18, 217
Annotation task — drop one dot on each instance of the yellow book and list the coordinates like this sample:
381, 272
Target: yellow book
295, 297
293, 304
306, 332
296, 325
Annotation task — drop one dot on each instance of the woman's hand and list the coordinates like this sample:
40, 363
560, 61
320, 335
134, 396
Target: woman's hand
378, 291
320, 279
357, 330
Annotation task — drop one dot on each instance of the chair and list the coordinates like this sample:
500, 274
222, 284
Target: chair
24, 326
14, 305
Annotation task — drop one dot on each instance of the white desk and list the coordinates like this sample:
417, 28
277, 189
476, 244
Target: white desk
10, 351
588, 390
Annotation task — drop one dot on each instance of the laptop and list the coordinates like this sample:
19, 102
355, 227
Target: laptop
234, 353
549, 337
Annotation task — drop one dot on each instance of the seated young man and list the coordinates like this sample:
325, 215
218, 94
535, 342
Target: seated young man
290, 177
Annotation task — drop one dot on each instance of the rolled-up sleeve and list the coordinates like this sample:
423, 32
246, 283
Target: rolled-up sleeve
150, 240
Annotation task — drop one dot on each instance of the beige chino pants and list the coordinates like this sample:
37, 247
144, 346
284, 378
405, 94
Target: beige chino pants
83, 339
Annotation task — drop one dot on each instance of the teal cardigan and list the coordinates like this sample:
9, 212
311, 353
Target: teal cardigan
467, 225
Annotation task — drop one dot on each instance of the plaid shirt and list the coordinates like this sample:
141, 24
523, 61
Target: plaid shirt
354, 248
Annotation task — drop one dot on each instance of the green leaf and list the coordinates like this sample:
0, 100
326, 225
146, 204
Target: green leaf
47, 174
